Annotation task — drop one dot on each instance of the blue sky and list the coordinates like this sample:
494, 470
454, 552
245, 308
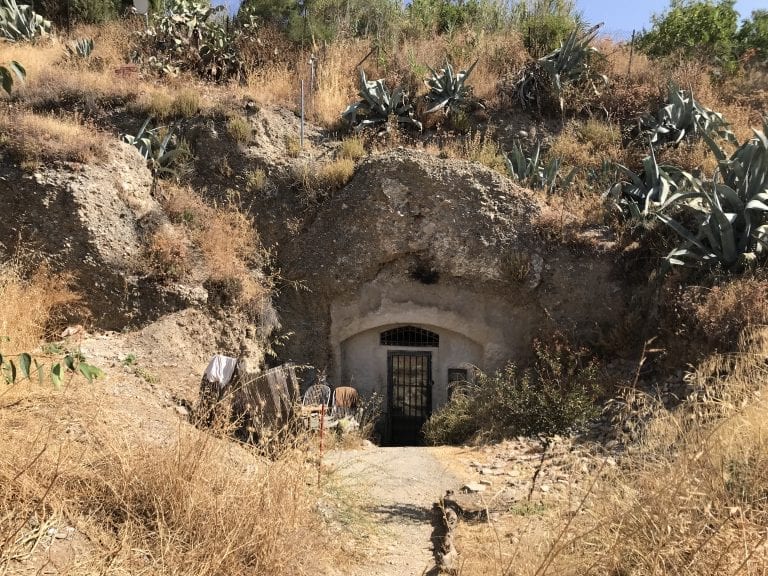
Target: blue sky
620, 16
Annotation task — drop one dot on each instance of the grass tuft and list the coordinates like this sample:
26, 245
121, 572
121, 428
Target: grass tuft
34, 301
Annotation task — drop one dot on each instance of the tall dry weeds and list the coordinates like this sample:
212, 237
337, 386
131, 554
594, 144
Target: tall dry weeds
33, 300
691, 499
34, 138
191, 505
225, 238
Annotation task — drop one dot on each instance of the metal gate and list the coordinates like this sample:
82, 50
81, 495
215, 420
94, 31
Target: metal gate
409, 376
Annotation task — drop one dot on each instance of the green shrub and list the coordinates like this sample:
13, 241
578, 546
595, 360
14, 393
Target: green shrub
701, 28
193, 35
65, 14
557, 394
753, 36
545, 24
328, 19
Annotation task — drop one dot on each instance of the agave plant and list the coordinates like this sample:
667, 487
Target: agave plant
19, 22
448, 90
732, 212
652, 190
156, 145
730, 232
566, 65
7, 73
378, 104
82, 48
685, 117
746, 170
533, 172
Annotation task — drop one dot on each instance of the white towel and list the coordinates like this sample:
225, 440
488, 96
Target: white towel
220, 370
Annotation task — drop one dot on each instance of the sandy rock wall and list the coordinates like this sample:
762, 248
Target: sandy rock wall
445, 244
90, 220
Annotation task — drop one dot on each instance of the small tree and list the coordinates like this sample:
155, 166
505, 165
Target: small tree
753, 36
701, 27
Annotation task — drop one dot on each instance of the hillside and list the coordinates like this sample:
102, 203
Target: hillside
537, 249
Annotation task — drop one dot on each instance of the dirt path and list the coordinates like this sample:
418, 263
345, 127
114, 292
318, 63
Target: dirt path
401, 485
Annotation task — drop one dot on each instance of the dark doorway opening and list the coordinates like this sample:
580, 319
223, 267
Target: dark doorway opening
409, 391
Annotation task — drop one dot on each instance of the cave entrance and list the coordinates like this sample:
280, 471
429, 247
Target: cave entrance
409, 390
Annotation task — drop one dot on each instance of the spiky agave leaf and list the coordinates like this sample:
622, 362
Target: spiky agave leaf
377, 104
19, 22
447, 89
531, 171
8, 72
565, 65
685, 117
656, 188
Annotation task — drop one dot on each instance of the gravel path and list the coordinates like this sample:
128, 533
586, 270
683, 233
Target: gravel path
402, 484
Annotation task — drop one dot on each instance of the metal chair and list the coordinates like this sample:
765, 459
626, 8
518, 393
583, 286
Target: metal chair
316, 395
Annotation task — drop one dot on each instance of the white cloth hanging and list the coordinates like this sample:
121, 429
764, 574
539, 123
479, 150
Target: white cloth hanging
220, 370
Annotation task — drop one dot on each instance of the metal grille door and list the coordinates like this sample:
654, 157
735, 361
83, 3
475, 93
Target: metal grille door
410, 395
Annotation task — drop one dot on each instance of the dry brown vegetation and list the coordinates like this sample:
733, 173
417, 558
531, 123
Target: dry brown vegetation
168, 252
34, 138
33, 302
224, 237
689, 499
165, 103
151, 497
188, 505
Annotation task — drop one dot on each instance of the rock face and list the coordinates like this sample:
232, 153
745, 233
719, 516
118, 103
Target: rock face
421, 269
90, 220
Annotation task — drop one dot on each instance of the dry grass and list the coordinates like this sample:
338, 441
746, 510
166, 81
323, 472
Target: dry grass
690, 500
166, 103
274, 85
719, 314
337, 81
240, 129
352, 148
691, 156
189, 505
587, 144
314, 180
52, 79
33, 138
225, 238
256, 180
168, 252
35, 59
186, 103
230, 245
477, 147
335, 174
135, 499
33, 302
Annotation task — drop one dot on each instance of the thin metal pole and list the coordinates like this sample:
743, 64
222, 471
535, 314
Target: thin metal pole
301, 134
631, 53
322, 430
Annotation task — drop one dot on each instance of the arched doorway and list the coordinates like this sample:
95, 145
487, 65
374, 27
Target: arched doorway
409, 381
409, 367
